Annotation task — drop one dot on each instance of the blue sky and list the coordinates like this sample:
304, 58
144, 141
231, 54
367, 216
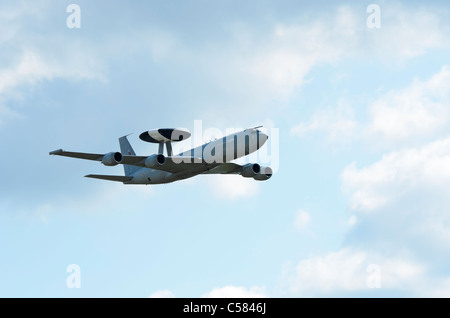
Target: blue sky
357, 207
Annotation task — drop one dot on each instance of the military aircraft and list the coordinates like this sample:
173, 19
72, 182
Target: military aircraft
213, 157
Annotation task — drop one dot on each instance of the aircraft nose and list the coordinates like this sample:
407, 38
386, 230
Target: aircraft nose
262, 136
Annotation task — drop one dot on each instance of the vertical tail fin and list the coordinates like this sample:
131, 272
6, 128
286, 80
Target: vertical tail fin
127, 150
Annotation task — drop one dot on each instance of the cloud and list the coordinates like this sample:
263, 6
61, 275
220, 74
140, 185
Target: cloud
407, 32
291, 51
302, 220
37, 47
400, 202
110, 197
334, 271
399, 205
36, 65
33, 67
399, 220
351, 271
396, 174
351, 221
236, 292
230, 187
221, 292
6, 113
163, 293
338, 123
416, 113
418, 110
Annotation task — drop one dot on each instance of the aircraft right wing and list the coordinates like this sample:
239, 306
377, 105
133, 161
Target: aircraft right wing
177, 164
225, 168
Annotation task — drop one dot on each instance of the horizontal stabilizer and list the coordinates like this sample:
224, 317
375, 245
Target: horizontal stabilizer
110, 178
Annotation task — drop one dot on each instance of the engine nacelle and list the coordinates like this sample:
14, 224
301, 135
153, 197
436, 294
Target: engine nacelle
112, 159
250, 170
155, 160
264, 174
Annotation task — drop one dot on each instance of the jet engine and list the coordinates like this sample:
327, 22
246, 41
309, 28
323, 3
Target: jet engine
155, 160
112, 159
264, 174
250, 170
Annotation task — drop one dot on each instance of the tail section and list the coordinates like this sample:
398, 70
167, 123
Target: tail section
127, 150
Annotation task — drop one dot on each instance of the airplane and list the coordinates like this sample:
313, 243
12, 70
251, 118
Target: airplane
213, 157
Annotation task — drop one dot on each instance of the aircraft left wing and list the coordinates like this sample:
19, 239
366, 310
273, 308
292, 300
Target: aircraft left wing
127, 160
80, 155
172, 164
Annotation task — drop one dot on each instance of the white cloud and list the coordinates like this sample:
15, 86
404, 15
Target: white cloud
109, 197
302, 220
442, 289
232, 186
33, 67
45, 53
164, 293
338, 123
418, 110
36, 66
399, 218
6, 113
407, 32
415, 113
32, 56
335, 271
352, 220
282, 62
350, 270
291, 51
401, 206
221, 292
236, 292
396, 174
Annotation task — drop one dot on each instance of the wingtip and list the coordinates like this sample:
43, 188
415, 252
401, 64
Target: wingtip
56, 152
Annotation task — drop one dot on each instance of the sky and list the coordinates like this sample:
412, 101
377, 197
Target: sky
354, 95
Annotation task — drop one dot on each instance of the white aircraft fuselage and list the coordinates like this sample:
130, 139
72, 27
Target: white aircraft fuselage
213, 157
212, 154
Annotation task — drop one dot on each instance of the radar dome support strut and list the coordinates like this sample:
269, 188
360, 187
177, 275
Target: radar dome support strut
169, 148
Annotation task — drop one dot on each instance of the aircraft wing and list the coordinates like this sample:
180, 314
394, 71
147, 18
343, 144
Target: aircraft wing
173, 164
184, 164
127, 160
134, 160
225, 168
181, 164
110, 178
80, 155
